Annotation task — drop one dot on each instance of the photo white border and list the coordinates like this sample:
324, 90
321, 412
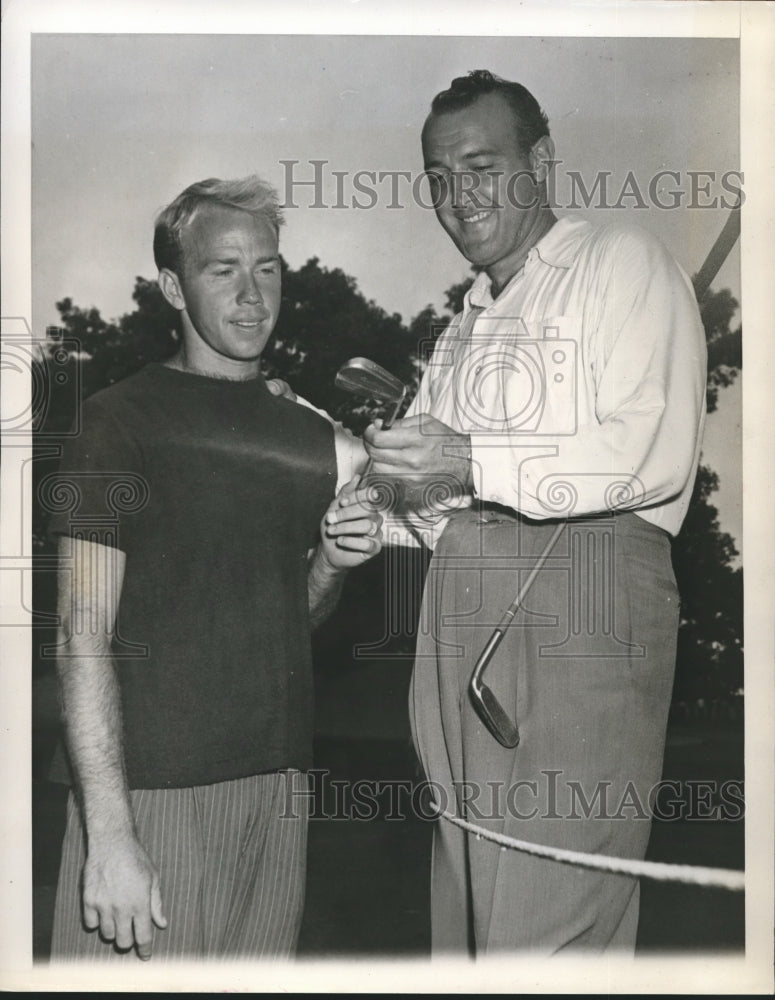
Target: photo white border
754, 23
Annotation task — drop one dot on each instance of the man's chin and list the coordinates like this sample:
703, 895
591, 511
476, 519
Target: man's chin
476, 252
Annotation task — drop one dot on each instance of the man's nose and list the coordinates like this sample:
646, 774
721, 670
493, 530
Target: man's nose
250, 290
465, 190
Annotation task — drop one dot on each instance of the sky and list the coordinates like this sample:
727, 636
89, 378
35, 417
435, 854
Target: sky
122, 123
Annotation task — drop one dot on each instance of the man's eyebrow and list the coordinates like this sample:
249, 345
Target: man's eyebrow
484, 151
220, 259
226, 259
471, 155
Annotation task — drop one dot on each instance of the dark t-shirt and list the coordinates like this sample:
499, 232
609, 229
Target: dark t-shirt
214, 490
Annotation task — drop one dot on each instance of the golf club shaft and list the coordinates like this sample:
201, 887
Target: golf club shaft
718, 252
537, 567
500, 629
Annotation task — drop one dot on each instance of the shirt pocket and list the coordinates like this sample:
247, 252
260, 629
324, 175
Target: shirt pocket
540, 376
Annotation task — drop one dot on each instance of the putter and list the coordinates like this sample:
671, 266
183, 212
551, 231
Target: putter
366, 378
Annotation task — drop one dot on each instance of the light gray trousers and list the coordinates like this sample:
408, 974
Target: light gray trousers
586, 669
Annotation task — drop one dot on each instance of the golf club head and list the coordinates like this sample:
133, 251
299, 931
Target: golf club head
487, 706
368, 379
492, 715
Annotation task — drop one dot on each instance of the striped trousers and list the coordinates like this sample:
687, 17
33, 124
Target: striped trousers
232, 863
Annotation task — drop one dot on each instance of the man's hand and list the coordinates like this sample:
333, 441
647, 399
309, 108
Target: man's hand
350, 533
430, 463
121, 894
279, 387
351, 530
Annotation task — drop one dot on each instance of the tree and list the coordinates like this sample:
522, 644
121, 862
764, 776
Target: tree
725, 346
710, 640
117, 349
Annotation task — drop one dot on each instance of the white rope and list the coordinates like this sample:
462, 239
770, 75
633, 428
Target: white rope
716, 878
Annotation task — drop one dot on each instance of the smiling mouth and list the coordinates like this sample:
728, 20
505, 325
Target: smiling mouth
249, 324
476, 217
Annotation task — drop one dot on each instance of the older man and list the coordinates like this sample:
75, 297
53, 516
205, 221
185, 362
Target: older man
185, 663
563, 412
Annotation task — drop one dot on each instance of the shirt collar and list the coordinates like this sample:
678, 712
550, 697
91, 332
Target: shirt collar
557, 248
560, 246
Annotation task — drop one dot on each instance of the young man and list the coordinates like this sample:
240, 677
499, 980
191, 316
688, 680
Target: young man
195, 559
569, 395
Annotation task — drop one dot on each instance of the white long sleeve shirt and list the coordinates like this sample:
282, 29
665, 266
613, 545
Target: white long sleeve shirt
582, 385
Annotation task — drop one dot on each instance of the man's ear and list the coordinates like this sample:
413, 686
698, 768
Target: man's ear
542, 158
169, 283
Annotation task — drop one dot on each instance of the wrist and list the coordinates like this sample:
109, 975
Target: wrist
107, 844
322, 566
109, 822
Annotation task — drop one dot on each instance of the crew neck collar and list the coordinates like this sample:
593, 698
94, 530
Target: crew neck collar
200, 378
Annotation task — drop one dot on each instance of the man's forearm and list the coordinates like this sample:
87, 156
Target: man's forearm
324, 587
91, 707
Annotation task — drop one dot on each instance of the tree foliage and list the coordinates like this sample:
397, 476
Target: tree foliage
725, 346
710, 639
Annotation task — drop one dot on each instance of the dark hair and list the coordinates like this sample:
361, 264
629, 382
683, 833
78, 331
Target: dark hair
250, 194
532, 123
